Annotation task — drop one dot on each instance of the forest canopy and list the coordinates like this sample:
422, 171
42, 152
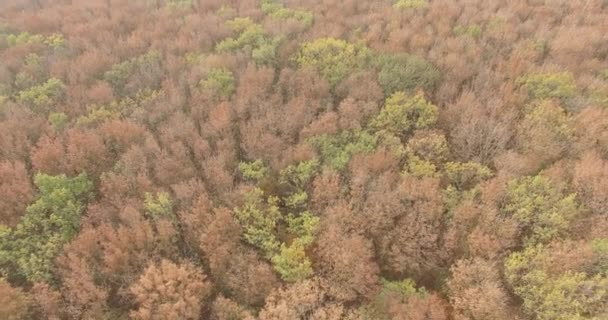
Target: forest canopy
304, 159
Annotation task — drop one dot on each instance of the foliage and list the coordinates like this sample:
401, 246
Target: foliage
299, 175
250, 34
55, 41
391, 293
304, 226
402, 114
430, 146
14, 303
254, 170
473, 30
119, 75
49, 223
58, 120
23, 38
279, 11
119, 108
179, 5
159, 205
546, 131
259, 217
266, 52
336, 150
291, 262
570, 294
559, 85
466, 175
405, 287
252, 39
169, 291
543, 210
41, 98
411, 4
219, 81
333, 58
404, 72
420, 168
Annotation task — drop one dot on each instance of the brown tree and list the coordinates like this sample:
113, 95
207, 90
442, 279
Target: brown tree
346, 261
476, 291
16, 191
170, 291
14, 303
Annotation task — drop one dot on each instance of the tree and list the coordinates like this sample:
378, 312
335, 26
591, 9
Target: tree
543, 210
291, 262
559, 85
237, 270
301, 300
16, 191
279, 11
411, 4
347, 262
465, 176
590, 174
43, 97
169, 291
334, 59
556, 289
403, 218
476, 291
133, 75
402, 300
545, 132
220, 82
14, 303
403, 72
402, 114
226, 309
49, 223
337, 150
259, 218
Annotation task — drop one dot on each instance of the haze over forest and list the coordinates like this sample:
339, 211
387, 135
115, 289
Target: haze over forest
304, 159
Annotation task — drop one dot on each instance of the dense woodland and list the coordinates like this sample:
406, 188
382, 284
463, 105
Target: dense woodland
304, 159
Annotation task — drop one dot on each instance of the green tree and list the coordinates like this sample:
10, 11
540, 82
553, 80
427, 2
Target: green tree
473, 30
542, 209
58, 120
249, 34
337, 150
291, 262
299, 175
466, 175
23, 38
559, 85
411, 4
391, 294
404, 72
259, 217
251, 38
41, 98
120, 74
48, 224
220, 81
159, 205
279, 11
254, 170
550, 295
333, 58
304, 226
403, 113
